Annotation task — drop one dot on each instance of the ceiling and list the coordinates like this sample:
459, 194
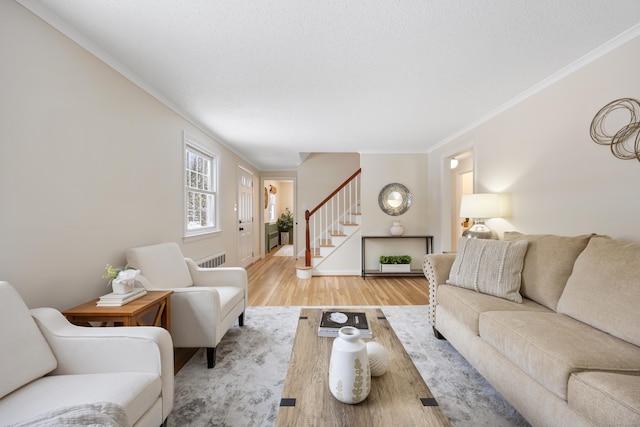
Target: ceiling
275, 79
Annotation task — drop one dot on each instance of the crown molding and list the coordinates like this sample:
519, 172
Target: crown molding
595, 54
74, 35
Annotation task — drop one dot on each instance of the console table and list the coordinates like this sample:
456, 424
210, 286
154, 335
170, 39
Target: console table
428, 249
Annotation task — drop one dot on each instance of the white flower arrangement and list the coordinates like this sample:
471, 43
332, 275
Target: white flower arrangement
121, 278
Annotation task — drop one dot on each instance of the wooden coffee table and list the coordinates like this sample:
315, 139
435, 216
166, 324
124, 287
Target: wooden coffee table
400, 397
130, 314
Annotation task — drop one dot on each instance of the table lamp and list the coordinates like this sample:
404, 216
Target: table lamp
480, 206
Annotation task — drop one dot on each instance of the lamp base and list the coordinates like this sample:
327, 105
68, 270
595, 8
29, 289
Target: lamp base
479, 231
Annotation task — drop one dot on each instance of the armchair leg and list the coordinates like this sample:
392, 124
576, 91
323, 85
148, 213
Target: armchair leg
241, 319
438, 334
211, 357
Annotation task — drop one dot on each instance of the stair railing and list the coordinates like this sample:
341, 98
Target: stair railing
324, 219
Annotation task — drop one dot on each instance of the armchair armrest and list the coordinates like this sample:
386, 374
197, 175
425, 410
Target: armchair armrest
221, 276
191, 309
436, 268
81, 350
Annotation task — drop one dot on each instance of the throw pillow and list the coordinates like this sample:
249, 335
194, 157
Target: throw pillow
604, 291
491, 267
547, 264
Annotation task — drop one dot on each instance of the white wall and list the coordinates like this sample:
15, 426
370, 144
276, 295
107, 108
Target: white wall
90, 165
540, 153
378, 170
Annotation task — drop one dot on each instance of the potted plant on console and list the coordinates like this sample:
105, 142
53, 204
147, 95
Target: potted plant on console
395, 263
285, 224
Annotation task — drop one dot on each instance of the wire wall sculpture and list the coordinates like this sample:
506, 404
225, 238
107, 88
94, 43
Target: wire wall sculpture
624, 143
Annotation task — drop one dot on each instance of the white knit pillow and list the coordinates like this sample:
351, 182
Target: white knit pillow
491, 267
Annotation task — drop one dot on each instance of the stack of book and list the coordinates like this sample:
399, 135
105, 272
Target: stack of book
116, 300
332, 321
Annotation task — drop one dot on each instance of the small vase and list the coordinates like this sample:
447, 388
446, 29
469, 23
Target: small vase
122, 286
349, 373
396, 229
125, 282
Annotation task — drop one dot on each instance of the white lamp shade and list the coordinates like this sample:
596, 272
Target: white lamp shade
481, 205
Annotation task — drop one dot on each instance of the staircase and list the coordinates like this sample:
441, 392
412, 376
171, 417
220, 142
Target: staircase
330, 224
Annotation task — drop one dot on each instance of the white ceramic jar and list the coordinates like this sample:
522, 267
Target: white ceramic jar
349, 374
396, 229
378, 359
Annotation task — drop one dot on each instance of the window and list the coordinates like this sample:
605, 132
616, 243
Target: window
201, 197
272, 208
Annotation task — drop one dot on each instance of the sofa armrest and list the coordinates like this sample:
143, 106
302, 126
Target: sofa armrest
436, 268
82, 350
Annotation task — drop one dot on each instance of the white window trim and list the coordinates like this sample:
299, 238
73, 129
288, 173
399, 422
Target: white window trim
191, 141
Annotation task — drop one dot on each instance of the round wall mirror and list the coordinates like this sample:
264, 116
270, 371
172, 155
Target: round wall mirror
394, 199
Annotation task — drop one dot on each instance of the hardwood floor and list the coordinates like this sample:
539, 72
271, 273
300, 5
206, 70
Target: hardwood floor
273, 282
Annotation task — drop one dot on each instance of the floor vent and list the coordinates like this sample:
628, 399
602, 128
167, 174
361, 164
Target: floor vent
213, 261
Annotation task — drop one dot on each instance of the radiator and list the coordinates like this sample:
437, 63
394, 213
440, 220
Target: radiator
212, 261
273, 240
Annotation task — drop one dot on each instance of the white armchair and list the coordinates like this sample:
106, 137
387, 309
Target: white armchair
205, 301
54, 372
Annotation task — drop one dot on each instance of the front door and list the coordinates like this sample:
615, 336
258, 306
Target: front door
245, 217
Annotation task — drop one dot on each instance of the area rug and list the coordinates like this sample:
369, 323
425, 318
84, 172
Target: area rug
286, 250
244, 388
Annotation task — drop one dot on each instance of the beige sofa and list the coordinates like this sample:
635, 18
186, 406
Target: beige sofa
568, 354
55, 373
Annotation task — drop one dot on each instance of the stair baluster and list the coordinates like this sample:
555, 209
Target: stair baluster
332, 214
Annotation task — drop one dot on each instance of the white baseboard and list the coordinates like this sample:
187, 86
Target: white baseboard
337, 273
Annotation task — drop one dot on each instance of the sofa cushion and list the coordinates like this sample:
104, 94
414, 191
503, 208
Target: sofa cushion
605, 398
466, 305
24, 353
548, 264
604, 288
162, 264
136, 392
491, 267
551, 346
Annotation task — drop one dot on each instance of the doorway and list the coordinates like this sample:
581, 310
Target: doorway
462, 179
245, 217
278, 198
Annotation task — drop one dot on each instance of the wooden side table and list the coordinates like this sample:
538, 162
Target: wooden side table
129, 314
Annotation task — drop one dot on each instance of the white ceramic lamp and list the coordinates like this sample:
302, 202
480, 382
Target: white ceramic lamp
480, 206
